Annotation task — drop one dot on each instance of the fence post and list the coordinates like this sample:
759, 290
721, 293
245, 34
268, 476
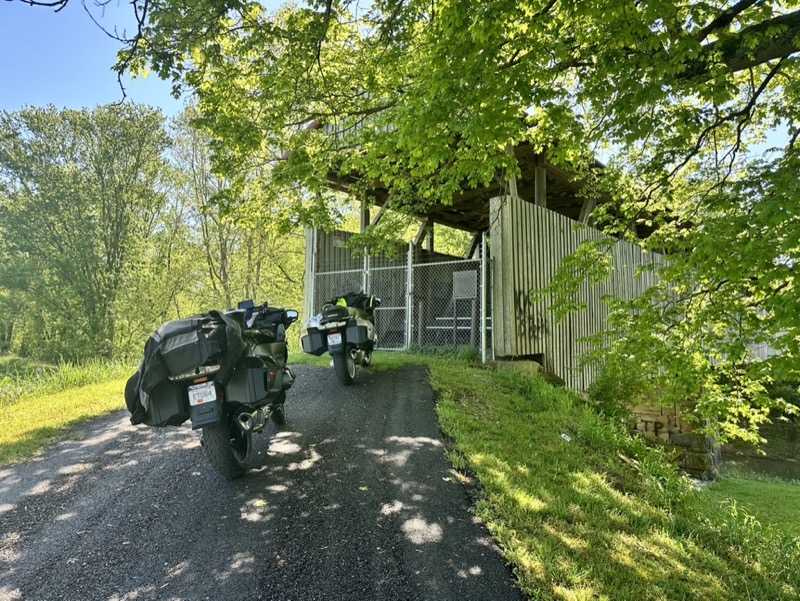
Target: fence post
410, 295
314, 245
365, 283
483, 297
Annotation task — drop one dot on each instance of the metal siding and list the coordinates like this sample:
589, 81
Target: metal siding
534, 241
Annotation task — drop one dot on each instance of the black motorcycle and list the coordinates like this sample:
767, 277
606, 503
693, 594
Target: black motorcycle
226, 372
346, 330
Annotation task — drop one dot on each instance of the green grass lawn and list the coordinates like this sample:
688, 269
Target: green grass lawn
40, 402
584, 511
34, 421
772, 503
580, 509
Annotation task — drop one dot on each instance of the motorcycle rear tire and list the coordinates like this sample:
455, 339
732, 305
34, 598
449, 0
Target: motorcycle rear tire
345, 367
278, 414
228, 449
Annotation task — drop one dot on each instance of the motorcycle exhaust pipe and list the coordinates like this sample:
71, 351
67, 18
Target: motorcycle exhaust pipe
245, 421
251, 422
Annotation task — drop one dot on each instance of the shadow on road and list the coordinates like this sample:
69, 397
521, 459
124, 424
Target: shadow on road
351, 499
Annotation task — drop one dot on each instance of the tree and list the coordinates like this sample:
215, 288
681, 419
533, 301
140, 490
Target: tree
424, 96
246, 253
79, 193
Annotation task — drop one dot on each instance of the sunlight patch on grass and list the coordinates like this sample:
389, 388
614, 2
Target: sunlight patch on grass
32, 422
601, 516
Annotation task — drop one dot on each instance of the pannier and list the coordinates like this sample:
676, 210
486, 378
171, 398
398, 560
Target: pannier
174, 352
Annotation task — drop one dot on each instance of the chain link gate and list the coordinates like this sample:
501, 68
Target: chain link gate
444, 304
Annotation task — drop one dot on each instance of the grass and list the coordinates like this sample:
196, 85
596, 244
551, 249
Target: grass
580, 509
596, 514
22, 378
39, 402
773, 503
34, 421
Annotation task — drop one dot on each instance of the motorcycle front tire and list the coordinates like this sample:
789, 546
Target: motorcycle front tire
345, 367
228, 448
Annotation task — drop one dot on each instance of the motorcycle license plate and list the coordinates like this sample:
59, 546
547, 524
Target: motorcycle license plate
202, 393
334, 339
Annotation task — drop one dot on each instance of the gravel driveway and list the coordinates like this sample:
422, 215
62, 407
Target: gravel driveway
351, 499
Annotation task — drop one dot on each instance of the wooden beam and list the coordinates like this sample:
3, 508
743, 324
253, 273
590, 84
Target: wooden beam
381, 211
474, 245
423, 229
586, 211
364, 215
539, 182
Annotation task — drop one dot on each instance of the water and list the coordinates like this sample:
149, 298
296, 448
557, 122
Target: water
785, 469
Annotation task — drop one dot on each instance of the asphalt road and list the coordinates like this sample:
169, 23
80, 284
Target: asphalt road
351, 499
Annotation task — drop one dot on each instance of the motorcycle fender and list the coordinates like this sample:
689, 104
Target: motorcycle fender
208, 413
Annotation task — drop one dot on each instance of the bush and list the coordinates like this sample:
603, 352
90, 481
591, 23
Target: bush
617, 389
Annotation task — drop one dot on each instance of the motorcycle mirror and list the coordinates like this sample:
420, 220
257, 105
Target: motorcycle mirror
291, 315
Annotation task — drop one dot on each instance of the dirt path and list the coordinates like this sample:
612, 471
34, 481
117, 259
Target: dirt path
351, 499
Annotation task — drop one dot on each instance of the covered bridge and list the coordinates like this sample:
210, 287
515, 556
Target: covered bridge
521, 230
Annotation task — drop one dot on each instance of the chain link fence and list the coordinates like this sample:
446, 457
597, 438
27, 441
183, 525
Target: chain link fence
435, 305
447, 304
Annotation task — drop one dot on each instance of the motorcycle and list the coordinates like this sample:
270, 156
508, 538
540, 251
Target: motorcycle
226, 372
346, 330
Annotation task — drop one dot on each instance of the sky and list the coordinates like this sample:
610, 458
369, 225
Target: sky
65, 59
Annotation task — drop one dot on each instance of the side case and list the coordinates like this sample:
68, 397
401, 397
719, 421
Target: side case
313, 343
167, 405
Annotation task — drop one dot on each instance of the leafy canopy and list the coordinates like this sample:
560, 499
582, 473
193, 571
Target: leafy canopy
423, 98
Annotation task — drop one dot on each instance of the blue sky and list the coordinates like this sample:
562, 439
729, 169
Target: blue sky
64, 59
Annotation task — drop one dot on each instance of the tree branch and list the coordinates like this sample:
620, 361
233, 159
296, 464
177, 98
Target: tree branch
751, 46
725, 18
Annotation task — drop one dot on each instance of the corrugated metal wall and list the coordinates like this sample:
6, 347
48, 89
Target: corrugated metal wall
528, 244
334, 255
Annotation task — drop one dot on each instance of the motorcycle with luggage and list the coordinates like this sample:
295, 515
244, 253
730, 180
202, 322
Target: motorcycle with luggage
226, 372
346, 330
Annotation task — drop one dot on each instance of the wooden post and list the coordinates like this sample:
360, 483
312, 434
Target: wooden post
364, 214
512, 177
586, 211
539, 182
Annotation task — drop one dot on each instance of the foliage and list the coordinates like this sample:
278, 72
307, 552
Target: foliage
107, 230
618, 387
424, 98
79, 192
597, 514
